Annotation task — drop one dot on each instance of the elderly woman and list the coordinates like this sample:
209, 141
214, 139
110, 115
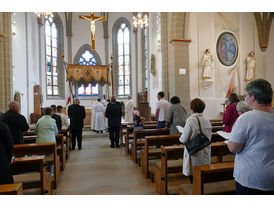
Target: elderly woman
176, 115
242, 107
231, 114
252, 141
46, 128
191, 130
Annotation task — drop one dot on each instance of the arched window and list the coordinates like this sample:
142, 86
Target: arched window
87, 59
121, 33
54, 50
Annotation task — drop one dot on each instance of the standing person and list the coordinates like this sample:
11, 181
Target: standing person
57, 118
46, 128
231, 114
16, 122
123, 108
176, 115
129, 110
114, 115
77, 115
64, 118
6, 152
99, 109
161, 110
207, 65
252, 141
191, 130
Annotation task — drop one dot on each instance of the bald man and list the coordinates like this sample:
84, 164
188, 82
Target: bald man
16, 122
77, 115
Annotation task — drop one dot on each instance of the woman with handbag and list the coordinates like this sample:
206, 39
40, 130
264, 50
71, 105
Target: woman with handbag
198, 128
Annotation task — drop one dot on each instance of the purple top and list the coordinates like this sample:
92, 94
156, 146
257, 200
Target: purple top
230, 117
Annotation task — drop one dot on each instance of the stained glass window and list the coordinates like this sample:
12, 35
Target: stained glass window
87, 59
123, 40
51, 35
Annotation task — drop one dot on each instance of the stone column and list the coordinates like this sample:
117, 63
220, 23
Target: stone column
136, 61
5, 60
179, 60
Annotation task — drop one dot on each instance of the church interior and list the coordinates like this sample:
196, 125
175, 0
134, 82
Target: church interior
55, 58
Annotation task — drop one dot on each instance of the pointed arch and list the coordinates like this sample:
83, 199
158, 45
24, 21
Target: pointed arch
55, 77
122, 69
82, 49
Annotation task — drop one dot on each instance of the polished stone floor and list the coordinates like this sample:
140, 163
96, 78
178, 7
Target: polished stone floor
100, 170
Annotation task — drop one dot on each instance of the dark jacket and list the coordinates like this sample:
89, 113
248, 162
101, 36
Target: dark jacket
77, 115
17, 124
114, 114
58, 121
6, 152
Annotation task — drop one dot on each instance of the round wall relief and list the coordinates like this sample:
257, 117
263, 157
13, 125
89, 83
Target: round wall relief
227, 48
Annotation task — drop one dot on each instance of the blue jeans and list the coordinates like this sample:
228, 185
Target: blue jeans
161, 124
241, 190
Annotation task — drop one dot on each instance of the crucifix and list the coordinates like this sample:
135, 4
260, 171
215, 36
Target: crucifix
92, 18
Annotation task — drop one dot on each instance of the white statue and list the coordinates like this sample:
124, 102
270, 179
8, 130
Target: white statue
250, 66
207, 66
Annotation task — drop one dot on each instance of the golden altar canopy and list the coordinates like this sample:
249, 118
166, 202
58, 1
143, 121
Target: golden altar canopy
88, 74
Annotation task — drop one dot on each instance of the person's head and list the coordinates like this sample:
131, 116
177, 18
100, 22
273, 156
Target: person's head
233, 98
53, 106
76, 101
175, 100
113, 100
258, 91
197, 105
48, 111
129, 97
14, 106
207, 51
99, 100
60, 109
108, 100
242, 107
160, 95
251, 54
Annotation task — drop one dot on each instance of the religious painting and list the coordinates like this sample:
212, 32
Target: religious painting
227, 48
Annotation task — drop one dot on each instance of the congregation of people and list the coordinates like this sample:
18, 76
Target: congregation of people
250, 123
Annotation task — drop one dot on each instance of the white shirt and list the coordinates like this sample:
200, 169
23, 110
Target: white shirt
162, 105
254, 165
129, 111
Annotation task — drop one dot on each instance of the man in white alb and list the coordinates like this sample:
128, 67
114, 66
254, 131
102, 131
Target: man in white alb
99, 123
161, 110
129, 110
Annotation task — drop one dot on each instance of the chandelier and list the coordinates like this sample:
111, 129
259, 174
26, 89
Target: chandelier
140, 21
45, 14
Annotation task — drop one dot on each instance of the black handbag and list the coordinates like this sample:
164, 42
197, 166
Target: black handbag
197, 143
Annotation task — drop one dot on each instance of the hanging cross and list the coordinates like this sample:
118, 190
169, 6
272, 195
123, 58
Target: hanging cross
92, 18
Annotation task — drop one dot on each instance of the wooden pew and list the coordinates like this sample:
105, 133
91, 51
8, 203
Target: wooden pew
217, 128
11, 189
66, 135
149, 153
138, 139
60, 141
211, 179
130, 129
123, 130
61, 150
31, 172
171, 162
42, 149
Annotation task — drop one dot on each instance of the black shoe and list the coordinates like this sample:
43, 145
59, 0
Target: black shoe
97, 132
73, 148
111, 146
80, 148
117, 146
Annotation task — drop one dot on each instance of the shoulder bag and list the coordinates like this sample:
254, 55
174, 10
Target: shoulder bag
197, 143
